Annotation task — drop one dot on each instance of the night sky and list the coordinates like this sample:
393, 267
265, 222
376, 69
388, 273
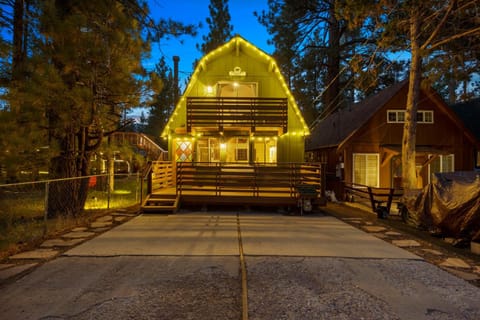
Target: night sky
194, 11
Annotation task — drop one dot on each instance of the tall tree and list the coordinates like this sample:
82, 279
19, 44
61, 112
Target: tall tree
424, 29
163, 103
220, 29
83, 71
20, 133
319, 52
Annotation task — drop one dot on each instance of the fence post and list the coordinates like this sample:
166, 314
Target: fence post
108, 190
137, 196
45, 216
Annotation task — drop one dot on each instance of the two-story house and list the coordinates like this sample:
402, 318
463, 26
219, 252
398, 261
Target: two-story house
236, 136
362, 143
236, 107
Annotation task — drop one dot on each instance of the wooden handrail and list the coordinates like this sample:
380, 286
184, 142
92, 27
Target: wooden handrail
238, 111
253, 180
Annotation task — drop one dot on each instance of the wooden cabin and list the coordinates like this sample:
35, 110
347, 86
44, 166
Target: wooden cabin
362, 143
237, 108
237, 135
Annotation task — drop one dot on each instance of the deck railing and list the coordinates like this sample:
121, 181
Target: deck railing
141, 141
220, 112
161, 175
254, 180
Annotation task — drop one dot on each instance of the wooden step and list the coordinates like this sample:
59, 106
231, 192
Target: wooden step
156, 203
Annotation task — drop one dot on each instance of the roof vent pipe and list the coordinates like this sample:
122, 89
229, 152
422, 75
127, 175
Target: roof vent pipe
176, 59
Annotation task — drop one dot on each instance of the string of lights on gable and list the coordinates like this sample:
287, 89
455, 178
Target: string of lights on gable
237, 42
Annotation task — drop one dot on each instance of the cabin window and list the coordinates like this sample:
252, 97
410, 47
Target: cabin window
442, 163
237, 149
265, 150
425, 116
398, 116
366, 169
183, 150
477, 160
237, 89
241, 149
208, 150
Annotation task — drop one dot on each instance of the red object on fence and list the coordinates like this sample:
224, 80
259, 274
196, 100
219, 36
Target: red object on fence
92, 182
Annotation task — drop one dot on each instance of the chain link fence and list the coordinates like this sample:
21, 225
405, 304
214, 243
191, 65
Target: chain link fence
31, 211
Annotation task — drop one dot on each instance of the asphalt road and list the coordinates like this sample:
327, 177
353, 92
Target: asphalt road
187, 266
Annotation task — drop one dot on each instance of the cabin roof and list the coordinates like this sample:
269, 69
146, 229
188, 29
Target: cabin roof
342, 124
232, 46
336, 129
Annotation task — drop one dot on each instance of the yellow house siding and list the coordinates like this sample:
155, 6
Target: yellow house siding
259, 68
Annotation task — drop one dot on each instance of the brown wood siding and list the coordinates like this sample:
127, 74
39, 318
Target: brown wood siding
442, 134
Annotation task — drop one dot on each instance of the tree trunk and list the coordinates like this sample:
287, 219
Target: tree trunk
18, 55
331, 97
67, 197
410, 127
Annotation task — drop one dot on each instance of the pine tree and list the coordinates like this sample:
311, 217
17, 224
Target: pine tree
85, 69
163, 103
220, 29
22, 146
427, 30
325, 58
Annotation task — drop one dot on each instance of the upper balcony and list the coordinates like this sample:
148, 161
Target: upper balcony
237, 112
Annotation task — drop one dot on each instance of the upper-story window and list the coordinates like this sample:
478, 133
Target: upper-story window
237, 89
398, 116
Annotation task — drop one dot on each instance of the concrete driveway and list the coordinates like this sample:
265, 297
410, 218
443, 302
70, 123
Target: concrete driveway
217, 235
186, 266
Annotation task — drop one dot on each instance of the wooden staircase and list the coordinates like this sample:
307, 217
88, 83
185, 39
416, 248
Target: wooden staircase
160, 203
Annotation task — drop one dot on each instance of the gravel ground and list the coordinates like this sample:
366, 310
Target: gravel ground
129, 287
209, 287
338, 288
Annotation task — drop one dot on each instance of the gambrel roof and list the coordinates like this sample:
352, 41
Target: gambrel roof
233, 47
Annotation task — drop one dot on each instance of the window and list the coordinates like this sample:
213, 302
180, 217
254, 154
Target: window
208, 150
443, 163
237, 89
265, 150
237, 149
477, 160
398, 116
424, 116
365, 169
183, 151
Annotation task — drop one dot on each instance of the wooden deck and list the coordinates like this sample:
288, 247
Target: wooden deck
236, 184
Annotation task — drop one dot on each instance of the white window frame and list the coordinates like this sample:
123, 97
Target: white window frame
242, 146
441, 157
377, 167
399, 112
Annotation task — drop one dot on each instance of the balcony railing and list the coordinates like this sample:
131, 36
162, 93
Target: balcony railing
221, 112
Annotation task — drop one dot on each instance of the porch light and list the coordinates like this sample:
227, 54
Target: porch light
223, 145
209, 89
